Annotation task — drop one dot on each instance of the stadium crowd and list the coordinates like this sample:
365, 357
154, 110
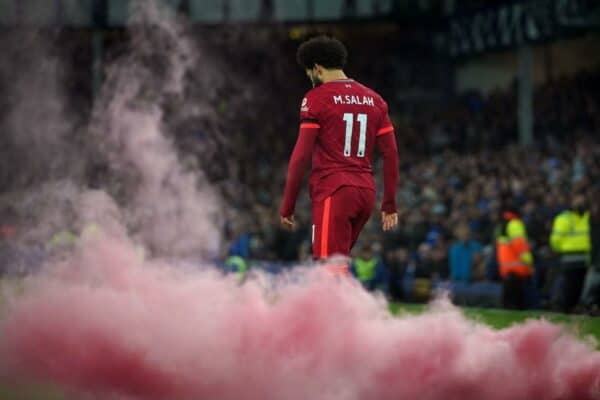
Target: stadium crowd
460, 168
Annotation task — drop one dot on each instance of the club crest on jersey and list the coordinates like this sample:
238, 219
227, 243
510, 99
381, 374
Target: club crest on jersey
304, 106
358, 100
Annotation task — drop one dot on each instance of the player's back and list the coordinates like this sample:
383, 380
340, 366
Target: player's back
349, 116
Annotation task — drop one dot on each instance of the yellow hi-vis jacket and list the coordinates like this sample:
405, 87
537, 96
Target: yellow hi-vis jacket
513, 252
571, 236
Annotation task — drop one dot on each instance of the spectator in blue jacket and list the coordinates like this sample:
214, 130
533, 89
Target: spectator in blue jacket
465, 256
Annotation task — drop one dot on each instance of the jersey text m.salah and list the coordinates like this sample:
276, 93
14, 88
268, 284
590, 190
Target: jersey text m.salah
341, 122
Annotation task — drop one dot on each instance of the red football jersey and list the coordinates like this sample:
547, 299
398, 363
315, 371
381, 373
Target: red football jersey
341, 123
349, 116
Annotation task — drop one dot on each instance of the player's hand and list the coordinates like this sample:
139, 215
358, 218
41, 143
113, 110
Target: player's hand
288, 222
389, 220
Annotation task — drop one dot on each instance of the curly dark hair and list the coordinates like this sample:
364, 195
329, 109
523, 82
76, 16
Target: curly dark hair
326, 51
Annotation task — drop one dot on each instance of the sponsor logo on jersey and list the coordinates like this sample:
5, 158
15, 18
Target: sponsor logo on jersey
304, 106
351, 99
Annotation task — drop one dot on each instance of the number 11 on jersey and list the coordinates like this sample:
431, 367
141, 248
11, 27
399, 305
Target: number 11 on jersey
362, 134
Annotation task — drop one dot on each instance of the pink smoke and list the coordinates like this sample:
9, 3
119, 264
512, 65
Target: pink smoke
121, 327
106, 323
173, 209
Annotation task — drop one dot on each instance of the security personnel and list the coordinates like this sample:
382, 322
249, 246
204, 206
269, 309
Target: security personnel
570, 238
61, 240
368, 268
237, 264
515, 261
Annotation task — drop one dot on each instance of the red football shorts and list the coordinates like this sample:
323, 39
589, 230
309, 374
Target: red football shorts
338, 220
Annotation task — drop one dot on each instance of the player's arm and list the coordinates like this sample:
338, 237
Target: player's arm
299, 161
386, 144
301, 156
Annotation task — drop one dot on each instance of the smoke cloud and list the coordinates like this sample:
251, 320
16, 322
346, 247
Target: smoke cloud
173, 209
106, 323
135, 311
38, 125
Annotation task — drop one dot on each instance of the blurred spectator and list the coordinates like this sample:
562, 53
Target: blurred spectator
237, 265
242, 237
571, 240
304, 251
368, 267
465, 256
286, 244
590, 298
515, 260
425, 266
397, 262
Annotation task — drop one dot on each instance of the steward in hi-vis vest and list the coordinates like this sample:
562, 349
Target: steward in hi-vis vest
570, 238
515, 261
